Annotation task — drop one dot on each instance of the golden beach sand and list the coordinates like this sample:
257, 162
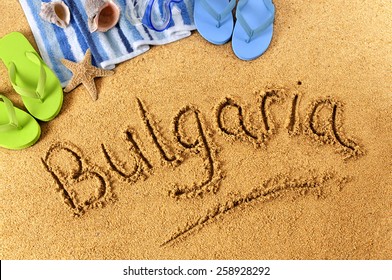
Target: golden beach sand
191, 153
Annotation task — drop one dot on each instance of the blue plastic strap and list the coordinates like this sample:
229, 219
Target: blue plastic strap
148, 18
13, 121
250, 31
215, 14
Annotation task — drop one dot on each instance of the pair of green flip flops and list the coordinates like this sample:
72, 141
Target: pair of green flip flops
40, 90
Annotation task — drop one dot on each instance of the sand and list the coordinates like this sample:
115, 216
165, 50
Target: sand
190, 153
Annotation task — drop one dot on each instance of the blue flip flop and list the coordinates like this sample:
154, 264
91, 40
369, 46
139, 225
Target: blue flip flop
214, 19
253, 31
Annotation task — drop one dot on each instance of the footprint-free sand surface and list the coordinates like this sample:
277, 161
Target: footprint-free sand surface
190, 153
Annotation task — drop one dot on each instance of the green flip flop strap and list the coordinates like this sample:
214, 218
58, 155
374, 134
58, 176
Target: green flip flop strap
39, 92
13, 121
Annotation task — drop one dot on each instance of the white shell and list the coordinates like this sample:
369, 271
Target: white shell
102, 15
56, 12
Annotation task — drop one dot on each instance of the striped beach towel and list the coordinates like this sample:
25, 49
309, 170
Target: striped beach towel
121, 43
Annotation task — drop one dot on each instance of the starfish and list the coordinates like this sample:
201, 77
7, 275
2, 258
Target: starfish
84, 73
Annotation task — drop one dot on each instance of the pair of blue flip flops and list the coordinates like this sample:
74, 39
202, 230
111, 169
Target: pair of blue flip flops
252, 33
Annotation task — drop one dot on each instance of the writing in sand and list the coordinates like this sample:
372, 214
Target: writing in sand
191, 137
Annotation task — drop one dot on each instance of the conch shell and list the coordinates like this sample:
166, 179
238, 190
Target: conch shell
102, 15
56, 12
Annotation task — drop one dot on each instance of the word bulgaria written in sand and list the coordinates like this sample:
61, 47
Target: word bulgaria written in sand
191, 137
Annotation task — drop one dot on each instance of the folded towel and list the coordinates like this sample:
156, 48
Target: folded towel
125, 41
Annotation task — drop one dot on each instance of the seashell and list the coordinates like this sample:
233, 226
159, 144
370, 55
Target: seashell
102, 15
56, 12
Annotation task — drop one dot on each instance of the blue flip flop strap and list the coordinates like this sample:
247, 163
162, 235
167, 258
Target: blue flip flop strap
13, 124
250, 31
219, 16
39, 92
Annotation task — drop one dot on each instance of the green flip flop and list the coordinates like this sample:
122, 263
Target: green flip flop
18, 130
39, 87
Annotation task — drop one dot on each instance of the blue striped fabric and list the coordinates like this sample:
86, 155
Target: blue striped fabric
123, 42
